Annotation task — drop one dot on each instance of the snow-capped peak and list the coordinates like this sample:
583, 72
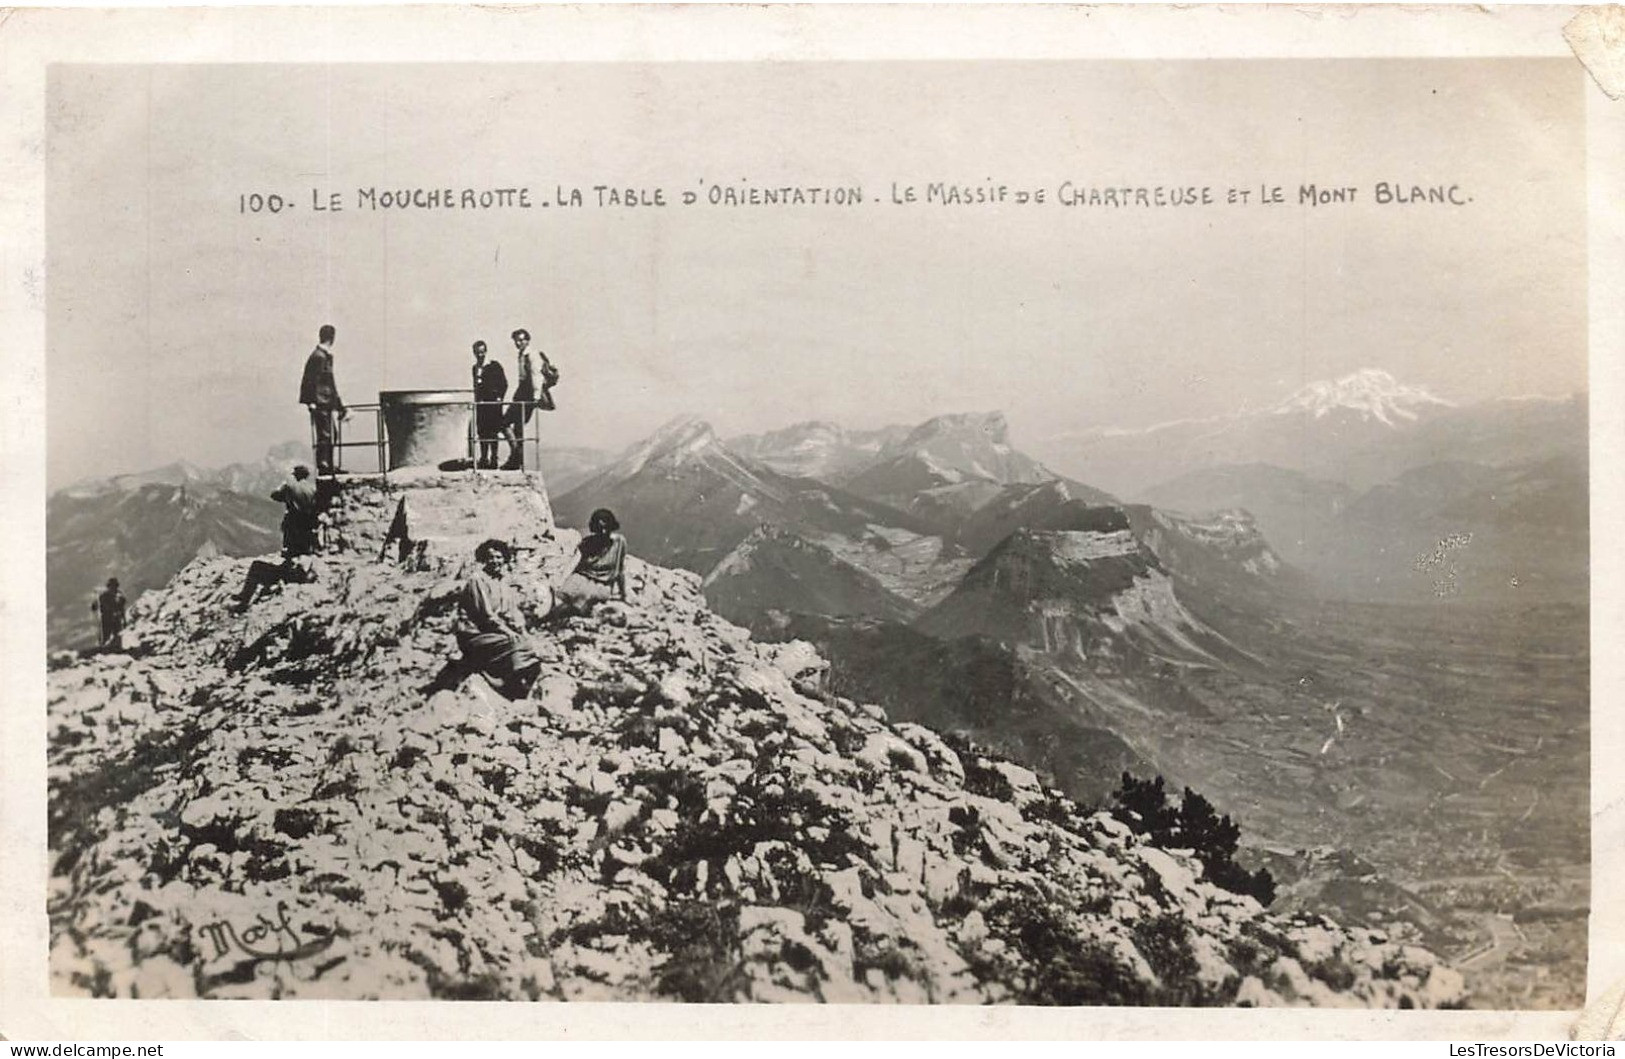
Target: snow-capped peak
1370, 392
685, 435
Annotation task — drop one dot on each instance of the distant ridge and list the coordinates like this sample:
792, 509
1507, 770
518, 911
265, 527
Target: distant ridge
1371, 393
1354, 431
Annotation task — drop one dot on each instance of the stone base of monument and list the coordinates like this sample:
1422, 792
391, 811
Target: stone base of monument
419, 515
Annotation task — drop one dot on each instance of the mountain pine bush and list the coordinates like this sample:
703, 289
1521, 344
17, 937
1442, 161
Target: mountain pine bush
1195, 825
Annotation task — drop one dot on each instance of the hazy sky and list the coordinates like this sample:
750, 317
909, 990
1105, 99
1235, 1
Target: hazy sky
178, 325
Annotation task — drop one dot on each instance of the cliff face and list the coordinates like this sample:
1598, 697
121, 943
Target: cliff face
1098, 597
263, 805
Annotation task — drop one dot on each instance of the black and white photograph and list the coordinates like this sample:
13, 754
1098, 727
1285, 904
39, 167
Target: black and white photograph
1066, 532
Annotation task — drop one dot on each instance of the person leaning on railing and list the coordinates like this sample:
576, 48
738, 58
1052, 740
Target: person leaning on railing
490, 387
320, 394
537, 376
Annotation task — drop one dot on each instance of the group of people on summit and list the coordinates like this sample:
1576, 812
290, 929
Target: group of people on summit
494, 421
491, 628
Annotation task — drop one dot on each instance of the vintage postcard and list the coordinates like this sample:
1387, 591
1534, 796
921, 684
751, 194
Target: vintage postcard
1063, 511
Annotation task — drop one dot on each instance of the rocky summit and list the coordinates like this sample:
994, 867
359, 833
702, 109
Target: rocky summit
264, 804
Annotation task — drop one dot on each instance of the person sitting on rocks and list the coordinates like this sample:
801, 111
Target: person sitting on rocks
292, 570
490, 629
298, 498
600, 572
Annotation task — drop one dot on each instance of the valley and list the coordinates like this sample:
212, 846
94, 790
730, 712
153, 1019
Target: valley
1461, 774
1393, 766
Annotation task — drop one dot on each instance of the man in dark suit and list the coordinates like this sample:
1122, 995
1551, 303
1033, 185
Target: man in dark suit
320, 393
490, 387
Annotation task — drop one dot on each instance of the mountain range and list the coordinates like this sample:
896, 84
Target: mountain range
964, 585
1359, 431
1376, 489
255, 478
1379, 490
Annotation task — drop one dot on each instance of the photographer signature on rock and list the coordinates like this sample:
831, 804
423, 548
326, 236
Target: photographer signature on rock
265, 939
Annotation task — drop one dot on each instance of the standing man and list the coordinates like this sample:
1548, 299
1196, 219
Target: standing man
490, 387
319, 393
537, 376
110, 605
298, 498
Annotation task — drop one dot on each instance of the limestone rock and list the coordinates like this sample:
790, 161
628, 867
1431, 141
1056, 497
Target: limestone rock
265, 805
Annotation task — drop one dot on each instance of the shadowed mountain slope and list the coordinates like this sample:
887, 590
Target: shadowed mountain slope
775, 570
687, 500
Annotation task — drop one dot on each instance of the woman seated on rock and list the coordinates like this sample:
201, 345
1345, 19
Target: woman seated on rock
600, 572
490, 629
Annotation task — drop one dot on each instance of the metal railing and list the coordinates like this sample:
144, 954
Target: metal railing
528, 441
378, 442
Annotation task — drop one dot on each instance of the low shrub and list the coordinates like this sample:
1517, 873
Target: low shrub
1195, 825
